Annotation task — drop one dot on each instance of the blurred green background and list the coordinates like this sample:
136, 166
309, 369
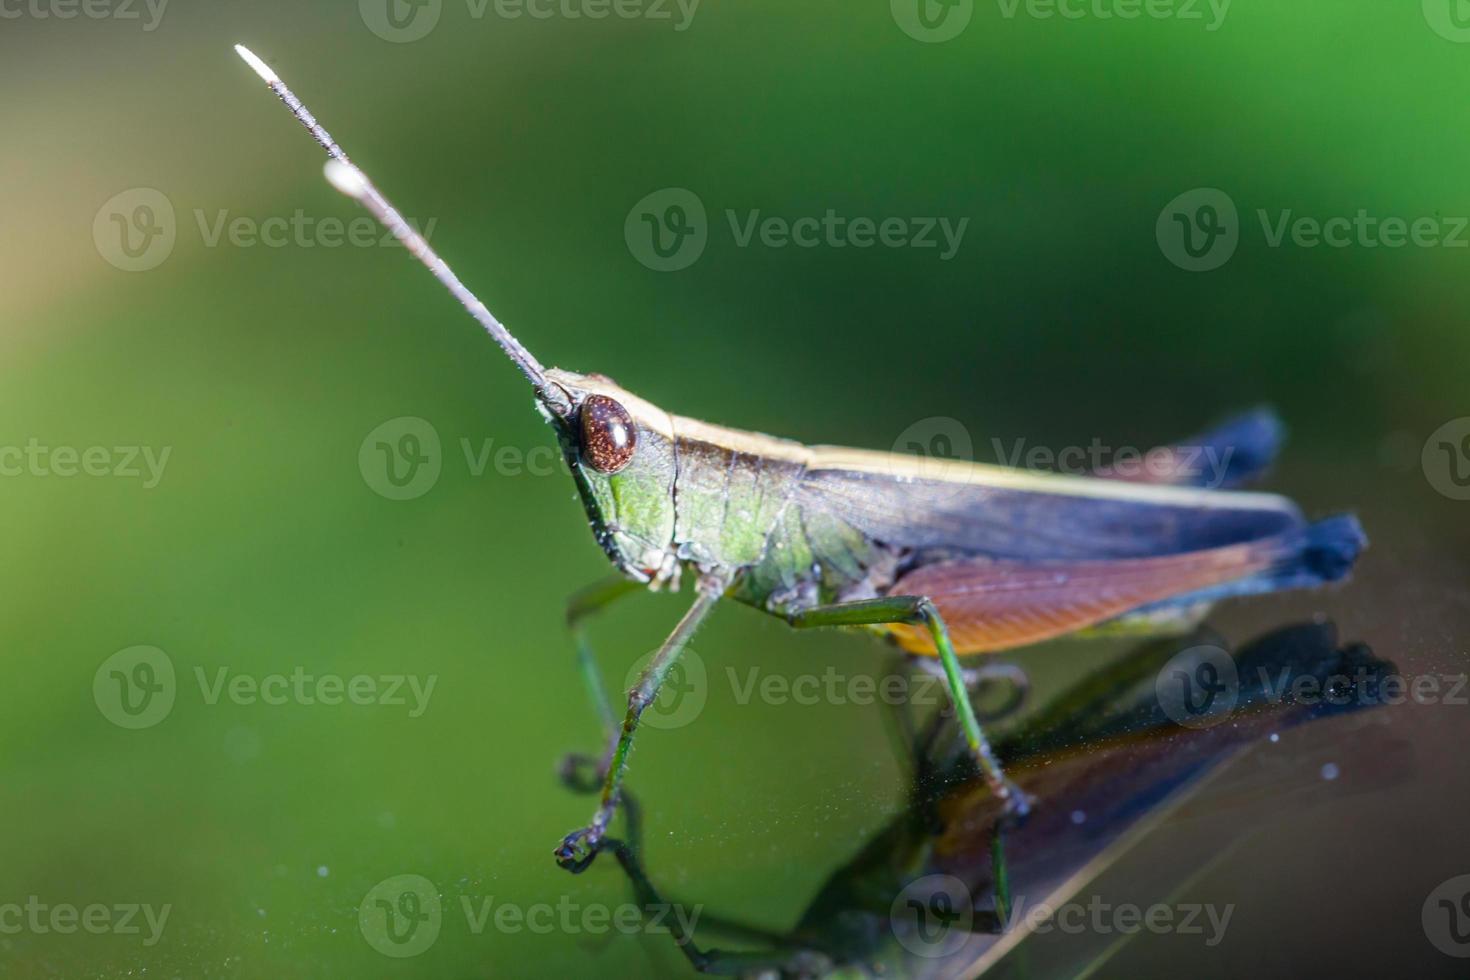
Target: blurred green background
264, 547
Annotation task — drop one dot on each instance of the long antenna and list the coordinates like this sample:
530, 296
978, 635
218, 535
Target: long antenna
348, 178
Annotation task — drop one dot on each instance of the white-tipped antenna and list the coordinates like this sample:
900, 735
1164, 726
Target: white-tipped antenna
261, 68
350, 180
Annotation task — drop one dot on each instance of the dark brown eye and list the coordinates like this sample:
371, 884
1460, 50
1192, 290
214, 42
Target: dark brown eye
609, 437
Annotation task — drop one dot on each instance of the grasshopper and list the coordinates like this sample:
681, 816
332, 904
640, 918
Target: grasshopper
945, 557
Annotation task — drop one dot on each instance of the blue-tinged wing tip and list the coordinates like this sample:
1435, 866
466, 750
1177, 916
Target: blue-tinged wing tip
1331, 546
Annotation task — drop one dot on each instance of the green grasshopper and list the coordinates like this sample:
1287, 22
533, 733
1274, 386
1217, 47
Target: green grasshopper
946, 557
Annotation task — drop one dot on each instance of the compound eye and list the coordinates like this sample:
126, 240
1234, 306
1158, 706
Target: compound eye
609, 437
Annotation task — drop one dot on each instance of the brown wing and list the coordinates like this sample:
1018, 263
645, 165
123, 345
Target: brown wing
995, 605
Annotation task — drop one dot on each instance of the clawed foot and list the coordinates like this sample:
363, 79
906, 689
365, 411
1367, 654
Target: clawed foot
577, 850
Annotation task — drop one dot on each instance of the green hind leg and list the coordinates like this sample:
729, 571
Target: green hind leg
919, 610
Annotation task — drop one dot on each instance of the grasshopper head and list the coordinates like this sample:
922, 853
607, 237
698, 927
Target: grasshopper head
620, 449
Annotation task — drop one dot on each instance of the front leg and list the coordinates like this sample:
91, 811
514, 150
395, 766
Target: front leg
919, 610
578, 848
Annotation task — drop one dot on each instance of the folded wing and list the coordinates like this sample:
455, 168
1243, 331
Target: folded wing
974, 509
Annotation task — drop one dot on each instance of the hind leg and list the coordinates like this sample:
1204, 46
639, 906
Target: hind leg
919, 611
